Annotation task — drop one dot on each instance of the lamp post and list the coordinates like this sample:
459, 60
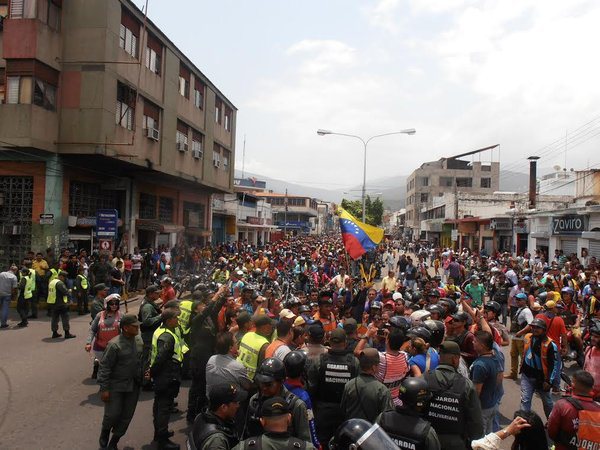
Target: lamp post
409, 131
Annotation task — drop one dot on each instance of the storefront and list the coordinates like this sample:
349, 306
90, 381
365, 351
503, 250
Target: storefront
568, 228
503, 233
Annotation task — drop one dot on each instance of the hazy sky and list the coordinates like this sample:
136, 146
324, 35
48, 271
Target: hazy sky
465, 74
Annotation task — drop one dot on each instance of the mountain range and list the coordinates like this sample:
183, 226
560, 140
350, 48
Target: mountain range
392, 190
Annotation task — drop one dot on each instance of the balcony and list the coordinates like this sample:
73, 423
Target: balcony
31, 39
27, 125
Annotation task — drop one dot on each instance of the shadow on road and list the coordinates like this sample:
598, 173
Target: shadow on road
89, 382
53, 341
92, 399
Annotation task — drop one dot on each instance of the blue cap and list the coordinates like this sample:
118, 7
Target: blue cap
521, 296
527, 278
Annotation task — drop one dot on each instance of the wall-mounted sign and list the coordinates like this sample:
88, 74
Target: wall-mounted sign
569, 225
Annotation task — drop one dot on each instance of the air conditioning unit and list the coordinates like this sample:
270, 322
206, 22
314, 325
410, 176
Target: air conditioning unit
217, 163
182, 147
152, 133
197, 154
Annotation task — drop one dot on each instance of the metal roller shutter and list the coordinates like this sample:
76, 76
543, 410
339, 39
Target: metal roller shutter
568, 246
594, 249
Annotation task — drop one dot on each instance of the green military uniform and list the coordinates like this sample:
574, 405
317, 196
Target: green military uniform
22, 300
271, 441
365, 398
210, 432
59, 301
120, 373
97, 307
33, 296
150, 319
165, 367
81, 291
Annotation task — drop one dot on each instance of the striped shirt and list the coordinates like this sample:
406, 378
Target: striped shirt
392, 370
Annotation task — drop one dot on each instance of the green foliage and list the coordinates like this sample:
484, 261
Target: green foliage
374, 208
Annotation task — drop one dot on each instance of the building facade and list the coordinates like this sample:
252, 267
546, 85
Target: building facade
451, 174
101, 111
293, 214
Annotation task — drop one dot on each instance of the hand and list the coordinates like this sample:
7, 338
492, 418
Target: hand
88, 347
105, 396
516, 426
372, 331
546, 386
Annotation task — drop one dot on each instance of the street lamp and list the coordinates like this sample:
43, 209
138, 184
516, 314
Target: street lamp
409, 131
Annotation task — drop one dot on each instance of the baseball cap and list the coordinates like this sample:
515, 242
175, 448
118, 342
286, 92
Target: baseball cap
100, 287
536, 306
243, 318
369, 356
461, 316
151, 289
325, 301
129, 319
223, 393
299, 321
397, 296
521, 296
338, 336
449, 348
316, 331
286, 314
550, 304
273, 407
390, 303
350, 325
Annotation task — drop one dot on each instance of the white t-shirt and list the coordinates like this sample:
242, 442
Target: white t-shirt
136, 261
8, 282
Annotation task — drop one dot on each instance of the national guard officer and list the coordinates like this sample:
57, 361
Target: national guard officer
405, 424
276, 420
358, 434
81, 291
120, 377
32, 288
326, 380
454, 410
100, 293
150, 319
254, 344
165, 368
215, 428
270, 377
365, 397
59, 301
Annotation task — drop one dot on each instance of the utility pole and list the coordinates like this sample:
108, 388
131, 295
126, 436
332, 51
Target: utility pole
285, 202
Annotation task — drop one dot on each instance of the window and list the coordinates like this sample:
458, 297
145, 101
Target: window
44, 95
228, 114
85, 199
197, 147
424, 197
31, 82
151, 116
226, 156
184, 81
181, 138
48, 12
424, 181
165, 209
2, 86
125, 111
153, 54
216, 155
147, 206
218, 110
486, 182
486, 168
23, 9
464, 182
129, 33
193, 215
446, 181
198, 93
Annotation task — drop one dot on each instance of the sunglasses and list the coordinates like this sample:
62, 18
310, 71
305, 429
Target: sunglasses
112, 303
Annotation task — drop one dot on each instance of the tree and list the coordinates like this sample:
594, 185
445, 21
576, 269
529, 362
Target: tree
374, 210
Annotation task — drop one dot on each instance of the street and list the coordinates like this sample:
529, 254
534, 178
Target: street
48, 401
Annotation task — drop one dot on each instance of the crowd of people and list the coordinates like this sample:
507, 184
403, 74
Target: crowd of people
292, 345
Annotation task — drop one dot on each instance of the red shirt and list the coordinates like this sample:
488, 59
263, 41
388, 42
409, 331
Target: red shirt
556, 327
564, 417
167, 293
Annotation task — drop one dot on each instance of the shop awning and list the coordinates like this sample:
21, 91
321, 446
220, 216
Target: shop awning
250, 225
158, 227
198, 232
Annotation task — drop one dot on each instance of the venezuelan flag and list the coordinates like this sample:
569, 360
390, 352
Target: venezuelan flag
358, 237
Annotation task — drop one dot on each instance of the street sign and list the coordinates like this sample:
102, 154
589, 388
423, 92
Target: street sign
106, 223
105, 245
46, 219
454, 235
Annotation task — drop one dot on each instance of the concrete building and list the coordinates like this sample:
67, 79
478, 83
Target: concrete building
587, 186
102, 111
450, 174
559, 182
293, 214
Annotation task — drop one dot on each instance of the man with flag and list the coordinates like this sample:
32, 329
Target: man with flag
358, 237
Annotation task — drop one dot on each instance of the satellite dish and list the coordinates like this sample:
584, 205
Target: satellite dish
557, 167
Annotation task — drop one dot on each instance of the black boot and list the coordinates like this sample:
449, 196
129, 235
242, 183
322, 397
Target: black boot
95, 370
167, 444
112, 445
103, 441
56, 334
69, 335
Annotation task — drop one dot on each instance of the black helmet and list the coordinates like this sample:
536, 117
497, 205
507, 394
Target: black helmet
595, 326
449, 304
304, 309
539, 323
437, 329
420, 332
358, 434
542, 297
400, 322
414, 391
271, 369
436, 309
493, 306
294, 363
416, 296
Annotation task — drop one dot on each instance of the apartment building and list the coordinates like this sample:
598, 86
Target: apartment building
294, 214
101, 111
453, 174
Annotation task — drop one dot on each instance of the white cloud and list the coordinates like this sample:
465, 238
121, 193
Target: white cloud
383, 15
323, 55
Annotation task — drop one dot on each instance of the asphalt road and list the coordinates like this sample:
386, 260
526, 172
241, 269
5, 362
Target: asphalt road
48, 401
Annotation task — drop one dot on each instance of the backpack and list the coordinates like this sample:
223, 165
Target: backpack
588, 433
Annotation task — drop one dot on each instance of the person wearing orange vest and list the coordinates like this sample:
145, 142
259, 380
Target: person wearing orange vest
280, 347
540, 369
325, 314
103, 328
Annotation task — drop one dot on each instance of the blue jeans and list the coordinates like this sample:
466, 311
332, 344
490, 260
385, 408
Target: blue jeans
487, 416
4, 304
528, 388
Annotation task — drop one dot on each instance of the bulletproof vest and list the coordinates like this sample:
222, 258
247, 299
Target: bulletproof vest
501, 295
144, 328
203, 429
292, 444
446, 408
408, 432
253, 426
334, 372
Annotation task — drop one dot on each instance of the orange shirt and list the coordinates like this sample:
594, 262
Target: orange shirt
328, 324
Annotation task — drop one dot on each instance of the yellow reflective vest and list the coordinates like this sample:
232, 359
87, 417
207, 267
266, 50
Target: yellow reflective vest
53, 274
249, 350
178, 351
52, 291
184, 316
